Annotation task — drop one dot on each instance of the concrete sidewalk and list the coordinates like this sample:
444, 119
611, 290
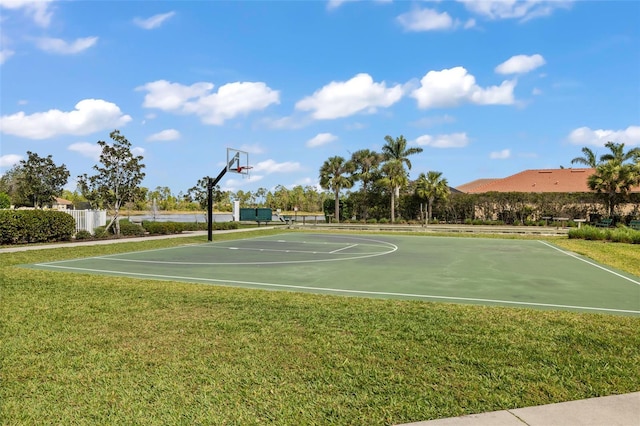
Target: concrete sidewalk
617, 410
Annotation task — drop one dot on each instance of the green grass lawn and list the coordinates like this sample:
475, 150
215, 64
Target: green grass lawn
80, 349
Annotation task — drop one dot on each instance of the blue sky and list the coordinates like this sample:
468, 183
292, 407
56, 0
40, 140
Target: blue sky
487, 89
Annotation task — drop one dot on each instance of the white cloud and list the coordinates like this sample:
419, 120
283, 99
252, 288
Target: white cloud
231, 100
136, 150
38, 10
165, 135
536, 91
425, 20
153, 22
455, 86
290, 122
586, 136
520, 64
453, 140
86, 149
61, 47
515, 9
334, 4
89, 116
345, 98
500, 155
5, 54
270, 166
320, 139
9, 160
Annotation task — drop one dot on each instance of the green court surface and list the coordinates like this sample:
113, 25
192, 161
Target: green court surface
517, 273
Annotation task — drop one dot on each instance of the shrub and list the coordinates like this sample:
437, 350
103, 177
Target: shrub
130, 229
35, 226
164, 228
372, 220
83, 235
383, 220
100, 232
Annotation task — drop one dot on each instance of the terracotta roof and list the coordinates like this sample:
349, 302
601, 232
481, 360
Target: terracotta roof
545, 180
63, 202
470, 186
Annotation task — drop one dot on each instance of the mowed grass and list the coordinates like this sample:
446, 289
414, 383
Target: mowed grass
80, 349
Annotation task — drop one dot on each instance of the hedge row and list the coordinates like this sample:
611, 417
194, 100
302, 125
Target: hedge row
130, 229
35, 226
616, 235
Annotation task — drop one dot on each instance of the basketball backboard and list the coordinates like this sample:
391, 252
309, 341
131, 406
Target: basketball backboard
238, 161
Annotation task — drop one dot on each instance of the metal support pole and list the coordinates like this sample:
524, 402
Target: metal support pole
210, 185
209, 209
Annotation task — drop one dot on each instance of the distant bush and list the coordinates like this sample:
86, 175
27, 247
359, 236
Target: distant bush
100, 232
130, 229
163, 228
83, 235
35, 226
617, 235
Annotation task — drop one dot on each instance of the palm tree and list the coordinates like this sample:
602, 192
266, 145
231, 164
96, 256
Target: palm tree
431, 187
616, 173
366, 164
618, 155
589, 158
395, 150
394, 177
334, 175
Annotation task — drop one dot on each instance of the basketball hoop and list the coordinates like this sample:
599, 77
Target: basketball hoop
243, 170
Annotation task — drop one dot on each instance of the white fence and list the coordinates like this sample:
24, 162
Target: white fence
88, 220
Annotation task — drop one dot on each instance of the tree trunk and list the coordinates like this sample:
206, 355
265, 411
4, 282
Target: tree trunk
430, 209
393, 205
337, 206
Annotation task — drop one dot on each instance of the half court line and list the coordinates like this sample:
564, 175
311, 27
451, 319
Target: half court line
589, 262
339, 290
343, 248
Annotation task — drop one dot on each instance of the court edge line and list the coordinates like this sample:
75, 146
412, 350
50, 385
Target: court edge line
589, 262
339, 290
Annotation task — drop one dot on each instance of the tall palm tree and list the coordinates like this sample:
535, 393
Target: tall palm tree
588, 159
431, 187
394, 177
395, 150
335, 176
366, 164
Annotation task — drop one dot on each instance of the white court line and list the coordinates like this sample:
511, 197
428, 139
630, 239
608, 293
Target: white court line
589, 262
339, 290
343, 248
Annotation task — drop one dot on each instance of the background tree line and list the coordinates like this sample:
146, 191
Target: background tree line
367, 186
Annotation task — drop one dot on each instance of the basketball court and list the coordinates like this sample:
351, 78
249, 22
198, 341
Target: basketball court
516, 273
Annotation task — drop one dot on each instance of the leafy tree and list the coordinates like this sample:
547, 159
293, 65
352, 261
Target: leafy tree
366, 170
117, 180
431, 187
38, 181
198, 193
334, 176
394, 177
396, 151
10, 182
5, 201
